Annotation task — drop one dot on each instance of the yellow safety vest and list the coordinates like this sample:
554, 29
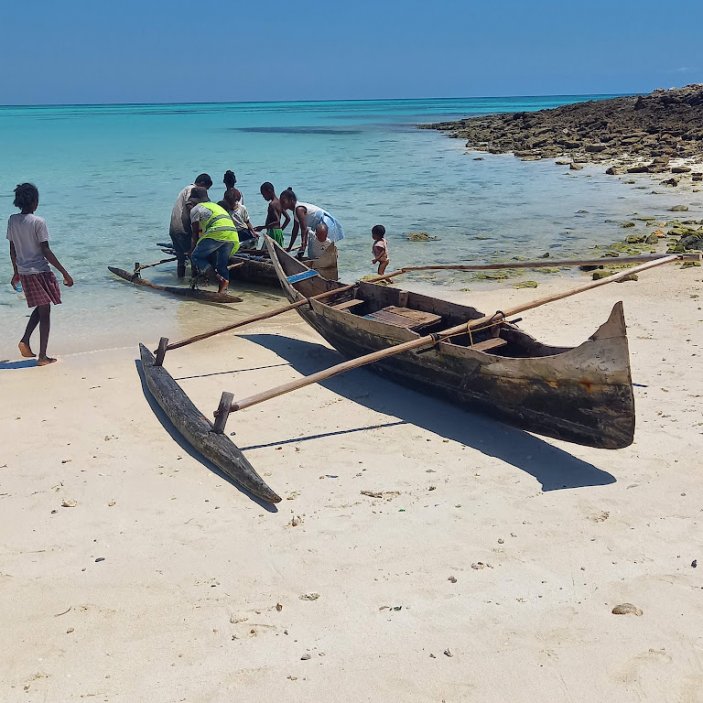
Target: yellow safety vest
219, 226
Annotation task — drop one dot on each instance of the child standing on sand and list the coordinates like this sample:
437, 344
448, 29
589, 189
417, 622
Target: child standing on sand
31, 256
380, 248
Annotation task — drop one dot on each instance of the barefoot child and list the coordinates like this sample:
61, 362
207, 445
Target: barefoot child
31, 256
273, 216
380, 248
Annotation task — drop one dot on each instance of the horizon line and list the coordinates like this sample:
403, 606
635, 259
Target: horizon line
328, 100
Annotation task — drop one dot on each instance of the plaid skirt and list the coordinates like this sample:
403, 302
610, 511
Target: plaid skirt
40, 289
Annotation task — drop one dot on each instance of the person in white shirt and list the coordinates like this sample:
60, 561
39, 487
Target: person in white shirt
179, 229
306, 219
232, 202
31, 258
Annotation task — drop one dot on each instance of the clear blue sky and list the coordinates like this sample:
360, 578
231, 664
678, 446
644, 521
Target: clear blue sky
94, 51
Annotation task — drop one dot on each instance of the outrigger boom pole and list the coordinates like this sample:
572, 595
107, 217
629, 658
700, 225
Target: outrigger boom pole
164, 345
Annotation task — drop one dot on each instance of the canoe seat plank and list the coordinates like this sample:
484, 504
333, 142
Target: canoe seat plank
404, 317
487, 344
348, 304
303, 276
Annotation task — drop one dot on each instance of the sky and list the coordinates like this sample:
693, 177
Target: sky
93, 51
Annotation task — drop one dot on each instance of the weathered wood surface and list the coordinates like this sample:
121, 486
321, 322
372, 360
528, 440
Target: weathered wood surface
582, 395
252, 270
181, 291
197, 430
254, 266
404, 317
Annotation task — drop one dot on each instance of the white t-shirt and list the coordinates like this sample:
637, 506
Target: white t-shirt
314, 215
27, 232
240, 216
200, 214
179, 215
316, 247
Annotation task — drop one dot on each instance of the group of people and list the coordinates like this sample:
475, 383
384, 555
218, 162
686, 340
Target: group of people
206, 231
211, 232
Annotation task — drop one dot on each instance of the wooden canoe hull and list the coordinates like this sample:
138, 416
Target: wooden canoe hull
582, 395
252, 271
250, 267
263, 272
181, 291
196, 429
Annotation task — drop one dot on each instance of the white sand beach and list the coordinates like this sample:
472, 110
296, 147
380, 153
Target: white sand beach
487, 571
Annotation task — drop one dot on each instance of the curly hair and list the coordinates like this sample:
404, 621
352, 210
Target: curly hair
230, 179
289, 195
26, 196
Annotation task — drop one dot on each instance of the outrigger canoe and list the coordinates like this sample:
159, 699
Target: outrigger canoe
197, 429
578, 394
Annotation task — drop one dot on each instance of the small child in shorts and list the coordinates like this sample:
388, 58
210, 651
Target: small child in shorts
380, 248
273, 226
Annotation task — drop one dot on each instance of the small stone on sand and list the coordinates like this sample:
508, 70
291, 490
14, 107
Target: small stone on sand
626, 609
309, 596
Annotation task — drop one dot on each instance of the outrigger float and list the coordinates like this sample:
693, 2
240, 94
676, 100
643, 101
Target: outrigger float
181, 291
251, 266
482, 362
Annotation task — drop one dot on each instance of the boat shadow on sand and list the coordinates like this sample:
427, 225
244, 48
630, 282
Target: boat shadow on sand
188, 449
554, 468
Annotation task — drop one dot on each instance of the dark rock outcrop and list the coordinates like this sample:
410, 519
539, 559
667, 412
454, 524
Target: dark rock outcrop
664, 125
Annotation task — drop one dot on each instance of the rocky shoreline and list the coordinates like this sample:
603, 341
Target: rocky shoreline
659, 133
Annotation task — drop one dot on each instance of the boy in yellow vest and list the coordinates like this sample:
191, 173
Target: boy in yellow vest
214, 233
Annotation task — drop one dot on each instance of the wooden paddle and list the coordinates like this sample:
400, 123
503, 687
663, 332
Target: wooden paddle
226, 405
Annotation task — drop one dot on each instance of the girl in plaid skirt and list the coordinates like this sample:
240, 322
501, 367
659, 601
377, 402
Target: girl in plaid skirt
31, 256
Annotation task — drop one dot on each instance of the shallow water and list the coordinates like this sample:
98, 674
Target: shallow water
108, 176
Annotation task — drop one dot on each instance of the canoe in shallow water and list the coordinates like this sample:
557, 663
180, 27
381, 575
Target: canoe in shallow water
181, 291
254, 265
581, 394
197, 429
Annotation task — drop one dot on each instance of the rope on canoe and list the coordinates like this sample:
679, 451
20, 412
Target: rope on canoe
497, 319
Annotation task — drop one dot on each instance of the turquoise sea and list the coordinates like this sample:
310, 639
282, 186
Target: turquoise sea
108, 176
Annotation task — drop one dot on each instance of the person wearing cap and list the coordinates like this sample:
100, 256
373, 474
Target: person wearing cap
180, 229
214, 235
